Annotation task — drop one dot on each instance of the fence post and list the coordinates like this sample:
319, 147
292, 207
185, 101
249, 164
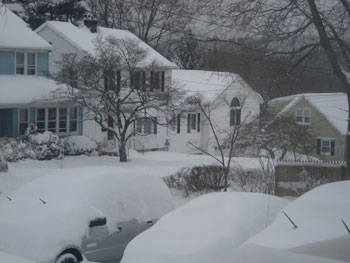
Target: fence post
342, 172
276, 179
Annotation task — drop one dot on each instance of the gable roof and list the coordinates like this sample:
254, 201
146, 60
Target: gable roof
15, 33
333, 106
209, 84
83, 39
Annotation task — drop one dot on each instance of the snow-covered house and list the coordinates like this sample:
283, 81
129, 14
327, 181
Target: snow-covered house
67, 38
24, 64
326, 116
232, 102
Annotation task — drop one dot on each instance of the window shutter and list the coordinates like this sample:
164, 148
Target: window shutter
198, 122
238, 117
163, 81
151, 82
178, 123
155, 125
232, 117
189, 123
318, 149
118, 81
143, 80
132, 79
332, 146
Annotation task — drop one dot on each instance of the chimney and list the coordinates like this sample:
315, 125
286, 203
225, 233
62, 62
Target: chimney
91, 23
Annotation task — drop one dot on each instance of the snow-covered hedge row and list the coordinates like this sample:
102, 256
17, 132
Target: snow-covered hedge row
210, 178
46, 146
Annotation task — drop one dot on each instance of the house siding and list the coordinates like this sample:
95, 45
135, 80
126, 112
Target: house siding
8, 122
7, 63
42, 64
321, 127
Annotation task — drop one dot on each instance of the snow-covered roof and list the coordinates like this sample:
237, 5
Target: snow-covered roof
84, 40
333, 106
20, 89
15, 33
209, 84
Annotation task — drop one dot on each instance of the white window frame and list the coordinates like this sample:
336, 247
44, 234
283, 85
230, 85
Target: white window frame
67, 120
303, 115
322, 140
25, 65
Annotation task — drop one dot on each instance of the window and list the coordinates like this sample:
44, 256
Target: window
40, 119
23, 121
52, 120
25, 63
30, 63
112, 81
146, 125
138, 80
73, 119
62, 120
20, 63
157, 81
235, 112
303, 115
193, 122
325, 146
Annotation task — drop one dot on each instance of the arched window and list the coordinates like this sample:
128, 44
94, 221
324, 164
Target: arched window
235, 112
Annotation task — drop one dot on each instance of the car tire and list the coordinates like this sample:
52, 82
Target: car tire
67, 258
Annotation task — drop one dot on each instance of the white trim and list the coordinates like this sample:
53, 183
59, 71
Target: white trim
25, 65
303, 109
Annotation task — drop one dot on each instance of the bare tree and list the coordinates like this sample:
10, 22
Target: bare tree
298, 28
112, 88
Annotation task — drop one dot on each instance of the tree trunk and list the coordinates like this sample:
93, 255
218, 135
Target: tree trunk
122, 153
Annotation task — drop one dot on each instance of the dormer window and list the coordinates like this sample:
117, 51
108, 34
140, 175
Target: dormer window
303, 115
25, 63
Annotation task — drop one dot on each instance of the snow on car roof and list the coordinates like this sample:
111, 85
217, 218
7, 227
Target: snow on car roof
13, 30
55, 210
21, 89
207, 229
318, 215
333, 106
84, 40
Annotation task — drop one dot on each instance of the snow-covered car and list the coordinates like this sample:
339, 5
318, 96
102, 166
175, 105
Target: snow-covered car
76, 214
314, 224
7, 258
207, 229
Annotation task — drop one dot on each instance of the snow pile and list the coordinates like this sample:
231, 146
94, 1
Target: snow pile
3, 163
49, 213
207, 229
318, 215
7, 258
76, 145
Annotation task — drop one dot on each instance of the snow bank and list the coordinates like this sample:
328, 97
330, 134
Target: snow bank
206, 229
40, 229
3, 163
318, 215
7, 258
75, 145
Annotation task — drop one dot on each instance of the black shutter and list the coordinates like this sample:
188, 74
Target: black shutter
232, 117
155, 125
198, 122
318, 146
178, 123
188, 123
163, 80
143, 80
105, 81
238, 117
118, 81
151, 82
332, 146
132, 79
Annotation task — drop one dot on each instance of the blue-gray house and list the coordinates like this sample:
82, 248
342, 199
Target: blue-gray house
24, 86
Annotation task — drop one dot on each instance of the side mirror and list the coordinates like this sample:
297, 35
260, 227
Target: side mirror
98, 222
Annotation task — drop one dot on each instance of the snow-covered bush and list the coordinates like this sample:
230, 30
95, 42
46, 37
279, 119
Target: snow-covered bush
3, 163
41, 146
76, 145
108, 148
210, 178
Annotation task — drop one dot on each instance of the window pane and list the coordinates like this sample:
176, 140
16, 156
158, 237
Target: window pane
307, 113
63, 120
193, 121
41, 115
73, 126
147, 126
23, 115
20, 58
31, 59
73, 114
299, 112
52, 114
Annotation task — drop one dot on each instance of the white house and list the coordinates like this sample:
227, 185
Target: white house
232, 102
67, 38
24, 64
